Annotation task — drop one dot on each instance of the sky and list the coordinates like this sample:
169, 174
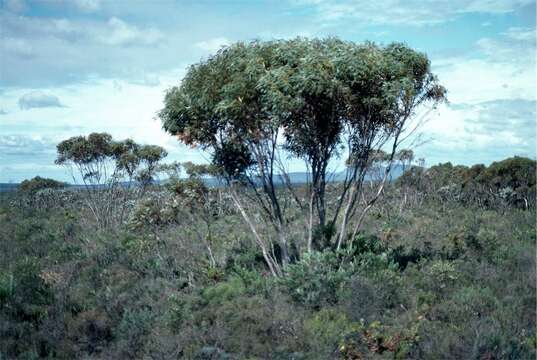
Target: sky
72, 67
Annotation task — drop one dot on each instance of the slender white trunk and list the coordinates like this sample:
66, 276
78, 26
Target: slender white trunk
310, 223
370, 204
273, 266
348, 209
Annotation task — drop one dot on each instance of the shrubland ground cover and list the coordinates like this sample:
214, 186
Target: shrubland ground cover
441, 276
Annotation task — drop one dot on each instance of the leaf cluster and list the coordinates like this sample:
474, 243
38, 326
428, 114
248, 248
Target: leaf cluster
97, 149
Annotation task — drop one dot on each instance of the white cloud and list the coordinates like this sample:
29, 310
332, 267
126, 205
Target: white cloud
214, 44
492, 6
88, 5
493, 99
38, 99
500, 68
147, 80
478, 80
118, 32
107, 68
66, 50
97, 106
409, 12
521, 34
114, 31
515, 45
25, 145
481, 132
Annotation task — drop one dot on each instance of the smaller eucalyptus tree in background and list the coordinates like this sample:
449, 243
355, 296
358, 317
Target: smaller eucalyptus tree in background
404, 158
187, 202
42, 193
198, 202
112, 172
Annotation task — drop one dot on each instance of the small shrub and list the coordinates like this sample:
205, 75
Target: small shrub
378, 339
325, 330
315, 279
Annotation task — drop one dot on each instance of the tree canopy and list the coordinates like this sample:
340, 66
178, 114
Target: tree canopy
309, 89
97, 153
38, 183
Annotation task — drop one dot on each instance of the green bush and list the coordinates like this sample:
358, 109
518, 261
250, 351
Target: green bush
316, 279
39, 183
325, 331
243, 325
6, 286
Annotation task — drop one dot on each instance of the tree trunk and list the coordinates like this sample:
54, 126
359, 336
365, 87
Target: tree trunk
273, 265
346, 214
283, 246
310, 222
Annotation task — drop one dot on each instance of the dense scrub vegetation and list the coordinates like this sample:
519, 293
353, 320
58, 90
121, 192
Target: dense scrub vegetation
433, 274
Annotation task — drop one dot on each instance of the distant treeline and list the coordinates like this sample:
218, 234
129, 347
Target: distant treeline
510, 181
512, 174
38, 182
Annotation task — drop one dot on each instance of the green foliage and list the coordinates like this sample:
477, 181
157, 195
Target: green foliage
153, 212
316, 279
39, 183
441, 274
132, 330
244, 256
82, 150
322, 236
232, 159
244, 325
325, 330
516, 172
380, 339
6, 286
92, 155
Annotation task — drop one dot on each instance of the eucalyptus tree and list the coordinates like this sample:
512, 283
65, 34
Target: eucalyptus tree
199, 203
330, 91
312, 99
405, 157
112, 172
